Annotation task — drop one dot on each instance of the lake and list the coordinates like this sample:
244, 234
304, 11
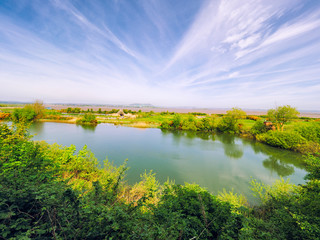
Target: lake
214, 161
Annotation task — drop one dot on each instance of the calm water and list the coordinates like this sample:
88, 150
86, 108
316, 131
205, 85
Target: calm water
212, 161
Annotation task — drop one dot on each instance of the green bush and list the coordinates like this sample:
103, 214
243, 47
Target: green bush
88, 118
166, 124
228, 125
189, 123
189, 211
23, 115
287, 140
206, 124
176, 122
258, 128
28, 113
310, 131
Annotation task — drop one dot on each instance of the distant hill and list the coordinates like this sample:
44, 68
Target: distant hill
141, 105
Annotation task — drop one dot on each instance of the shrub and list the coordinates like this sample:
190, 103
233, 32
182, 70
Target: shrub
228, 125
287, 140
28, 113
23, 115
236, 200
254, 118
176, 122
258, 128
310, 131
206, 124
4, 116
88, 118
189, 123
189, 211
166, 124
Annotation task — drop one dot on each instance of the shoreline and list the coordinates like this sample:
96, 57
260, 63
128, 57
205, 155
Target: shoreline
310, 114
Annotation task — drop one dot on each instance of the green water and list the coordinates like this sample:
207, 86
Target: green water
214, 161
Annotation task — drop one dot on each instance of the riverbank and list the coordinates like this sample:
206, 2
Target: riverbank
296, 133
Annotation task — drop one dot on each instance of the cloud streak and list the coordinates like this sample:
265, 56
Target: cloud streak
197, 53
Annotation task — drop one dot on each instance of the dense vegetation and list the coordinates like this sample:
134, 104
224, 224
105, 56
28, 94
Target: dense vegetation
302, 137
88, 118
280, 128
52, 192
28, 113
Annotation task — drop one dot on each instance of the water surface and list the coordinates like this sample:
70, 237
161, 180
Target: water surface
214, 161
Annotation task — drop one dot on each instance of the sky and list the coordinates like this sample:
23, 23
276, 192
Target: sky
249, 54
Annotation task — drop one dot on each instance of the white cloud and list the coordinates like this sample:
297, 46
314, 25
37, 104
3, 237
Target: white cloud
244, 52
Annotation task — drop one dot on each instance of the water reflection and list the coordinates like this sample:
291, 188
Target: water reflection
231, 149
37, 127
205, 136
87, 127
283, 156
188, 134
275, 165
279, 161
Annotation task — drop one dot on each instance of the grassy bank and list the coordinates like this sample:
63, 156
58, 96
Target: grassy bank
297, 134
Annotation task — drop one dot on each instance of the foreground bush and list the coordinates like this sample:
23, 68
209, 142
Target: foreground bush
52, 192
189, 211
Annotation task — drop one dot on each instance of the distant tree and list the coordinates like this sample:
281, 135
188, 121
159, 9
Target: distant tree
282, 115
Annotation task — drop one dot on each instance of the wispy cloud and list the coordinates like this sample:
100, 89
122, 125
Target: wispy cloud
203, 53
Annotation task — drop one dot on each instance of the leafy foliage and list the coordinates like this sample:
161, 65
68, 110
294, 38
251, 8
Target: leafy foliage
4, 116
88, 118
191, 212
310, 131
281, 115
258, 128
205, 124
28, 113
287, 140
229, 123
53, 192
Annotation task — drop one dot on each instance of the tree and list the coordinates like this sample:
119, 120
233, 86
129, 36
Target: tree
29, 112
229, 122
282, 115
38, 108
236, 113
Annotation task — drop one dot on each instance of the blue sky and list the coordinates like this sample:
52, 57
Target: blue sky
213, 54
